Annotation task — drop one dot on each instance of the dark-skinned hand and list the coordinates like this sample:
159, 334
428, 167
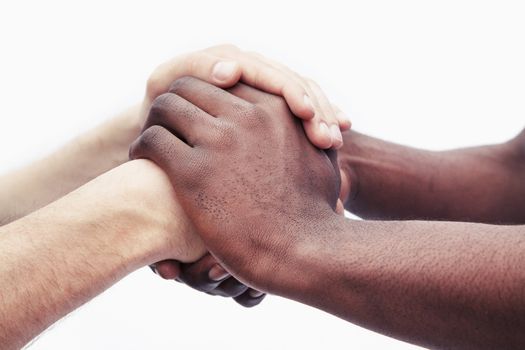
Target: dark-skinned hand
255, 188
208, 276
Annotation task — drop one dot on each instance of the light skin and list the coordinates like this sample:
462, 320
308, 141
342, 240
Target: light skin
106, 147
270, 218
80, 161
59, 250
67, 252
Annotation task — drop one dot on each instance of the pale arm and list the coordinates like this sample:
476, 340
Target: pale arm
106, 146
61, 256
81, 160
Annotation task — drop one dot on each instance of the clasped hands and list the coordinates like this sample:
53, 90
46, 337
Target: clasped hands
256, 183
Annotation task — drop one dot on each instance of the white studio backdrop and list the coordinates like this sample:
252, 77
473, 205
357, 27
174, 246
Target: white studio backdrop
428, 74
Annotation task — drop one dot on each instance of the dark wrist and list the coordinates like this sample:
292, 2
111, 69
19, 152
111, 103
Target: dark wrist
296, 270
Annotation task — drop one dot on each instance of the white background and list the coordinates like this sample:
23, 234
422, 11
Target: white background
432, 74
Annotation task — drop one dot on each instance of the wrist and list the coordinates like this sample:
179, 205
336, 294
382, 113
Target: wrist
145, 199
110, 205
298, 268
132, 211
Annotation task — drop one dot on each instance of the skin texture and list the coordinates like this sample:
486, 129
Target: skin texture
269, 217
220, 142
106, 146
478, 184
72, 250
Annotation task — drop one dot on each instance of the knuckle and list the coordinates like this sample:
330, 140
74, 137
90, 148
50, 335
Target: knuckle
161, 103
159, 107
181, 83
140, 148
149, 138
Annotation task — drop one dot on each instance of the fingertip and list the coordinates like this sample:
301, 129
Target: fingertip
345, 186
345, 125
218, 273
168, 269
308, 106
344, 121
299, 103
248, 301
226, 73
339, 208
337, 137
318, 134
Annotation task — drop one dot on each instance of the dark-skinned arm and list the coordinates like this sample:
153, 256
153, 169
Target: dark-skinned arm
479, 184
442, 285
263, 199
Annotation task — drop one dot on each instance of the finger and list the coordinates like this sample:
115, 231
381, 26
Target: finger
204, 275
344, 122
340, 208
181, 117
250, 94
250, 298
166, 150
168, 269
217, 70
211, 99
319, 131
332, 155
327, 115
346, 186
263, 76
230, 288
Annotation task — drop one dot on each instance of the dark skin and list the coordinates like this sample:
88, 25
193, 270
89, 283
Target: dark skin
208, 276
479, 184
268, 215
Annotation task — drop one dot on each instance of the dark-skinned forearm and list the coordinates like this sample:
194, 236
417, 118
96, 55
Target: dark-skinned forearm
390, 181
437, 284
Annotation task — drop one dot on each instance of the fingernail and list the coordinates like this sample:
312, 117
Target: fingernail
218, 273
336, 133
325, 130
308, 102
154, 269
255, 293
224, 70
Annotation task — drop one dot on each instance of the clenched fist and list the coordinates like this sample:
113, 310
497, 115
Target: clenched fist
255, 188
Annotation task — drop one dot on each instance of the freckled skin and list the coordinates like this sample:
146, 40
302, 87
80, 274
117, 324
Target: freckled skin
263, 200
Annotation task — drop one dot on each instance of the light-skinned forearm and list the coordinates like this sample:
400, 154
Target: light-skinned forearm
437, 284
71, 166
390, 181
62, 255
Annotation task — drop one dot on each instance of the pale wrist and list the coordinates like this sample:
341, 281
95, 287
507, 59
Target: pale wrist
143, 198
